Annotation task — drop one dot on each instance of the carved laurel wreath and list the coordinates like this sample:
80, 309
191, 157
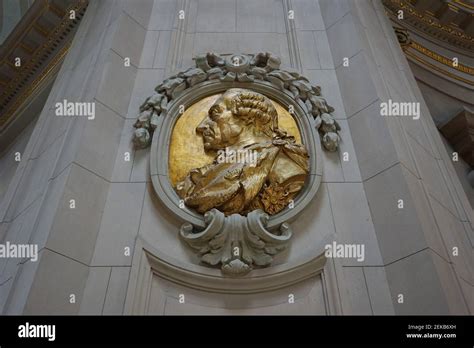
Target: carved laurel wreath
236, 243
242, 68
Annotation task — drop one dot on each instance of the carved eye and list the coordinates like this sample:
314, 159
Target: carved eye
214, 112
213, 115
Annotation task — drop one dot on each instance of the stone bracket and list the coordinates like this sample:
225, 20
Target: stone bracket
236, 242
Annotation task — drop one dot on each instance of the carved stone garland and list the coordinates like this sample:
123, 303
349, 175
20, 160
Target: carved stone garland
242, 68
237, 243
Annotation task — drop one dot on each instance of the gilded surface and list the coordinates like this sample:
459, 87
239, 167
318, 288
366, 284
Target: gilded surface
187, 147
237, 152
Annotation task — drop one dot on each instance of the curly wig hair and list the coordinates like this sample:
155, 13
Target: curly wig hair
252, 107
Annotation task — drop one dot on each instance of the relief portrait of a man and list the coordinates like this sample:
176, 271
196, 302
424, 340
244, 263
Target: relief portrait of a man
257, 166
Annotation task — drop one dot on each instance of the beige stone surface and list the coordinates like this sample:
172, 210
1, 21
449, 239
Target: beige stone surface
116, 85
333, 10
72, 234
123, 168
259, 16
99, 141
128, 39
31, 184
345, 39
353, 222
68, 276
310, 228
378, 290
407, 251
13, 302
139, 10
92, 301
357, 91
423, 208
119, 224
116, 291
454, 236
431, 175
149, 48
307, 15
451, 286
372, 141
222, 18
357, 292
308, 50
422, 291
163, 15
468, 290
399, 232
347, 154
162, 49
165, 299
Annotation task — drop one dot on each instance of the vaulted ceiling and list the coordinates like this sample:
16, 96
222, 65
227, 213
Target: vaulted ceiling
33, 50
439, 46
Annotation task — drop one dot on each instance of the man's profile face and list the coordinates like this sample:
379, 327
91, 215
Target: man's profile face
220, 128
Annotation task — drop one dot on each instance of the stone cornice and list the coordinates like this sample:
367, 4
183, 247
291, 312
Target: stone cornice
432, 23
443, 66
40, 40
441, 59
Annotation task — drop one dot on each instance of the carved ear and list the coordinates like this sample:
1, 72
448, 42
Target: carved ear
235, 129
264, 118
232, 106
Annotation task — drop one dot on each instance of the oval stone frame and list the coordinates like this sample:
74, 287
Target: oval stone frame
257, 237
162, 136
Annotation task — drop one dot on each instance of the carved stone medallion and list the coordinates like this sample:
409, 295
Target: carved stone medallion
257, 165
252, 176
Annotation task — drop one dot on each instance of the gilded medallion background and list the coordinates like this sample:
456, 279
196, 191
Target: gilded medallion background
186, 150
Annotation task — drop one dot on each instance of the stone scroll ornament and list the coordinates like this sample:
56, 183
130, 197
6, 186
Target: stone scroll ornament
235, 238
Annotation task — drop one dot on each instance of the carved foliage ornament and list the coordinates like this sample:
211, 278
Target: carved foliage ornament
242, 68
403, 37
236, 201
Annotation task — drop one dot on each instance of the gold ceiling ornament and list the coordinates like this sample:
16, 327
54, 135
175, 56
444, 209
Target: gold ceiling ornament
427, 23
403, 37
437, 68
465, 4
406, 43
441, 59
235, 146
35, 86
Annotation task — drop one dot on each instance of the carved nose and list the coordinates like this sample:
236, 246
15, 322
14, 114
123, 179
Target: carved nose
204, 125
